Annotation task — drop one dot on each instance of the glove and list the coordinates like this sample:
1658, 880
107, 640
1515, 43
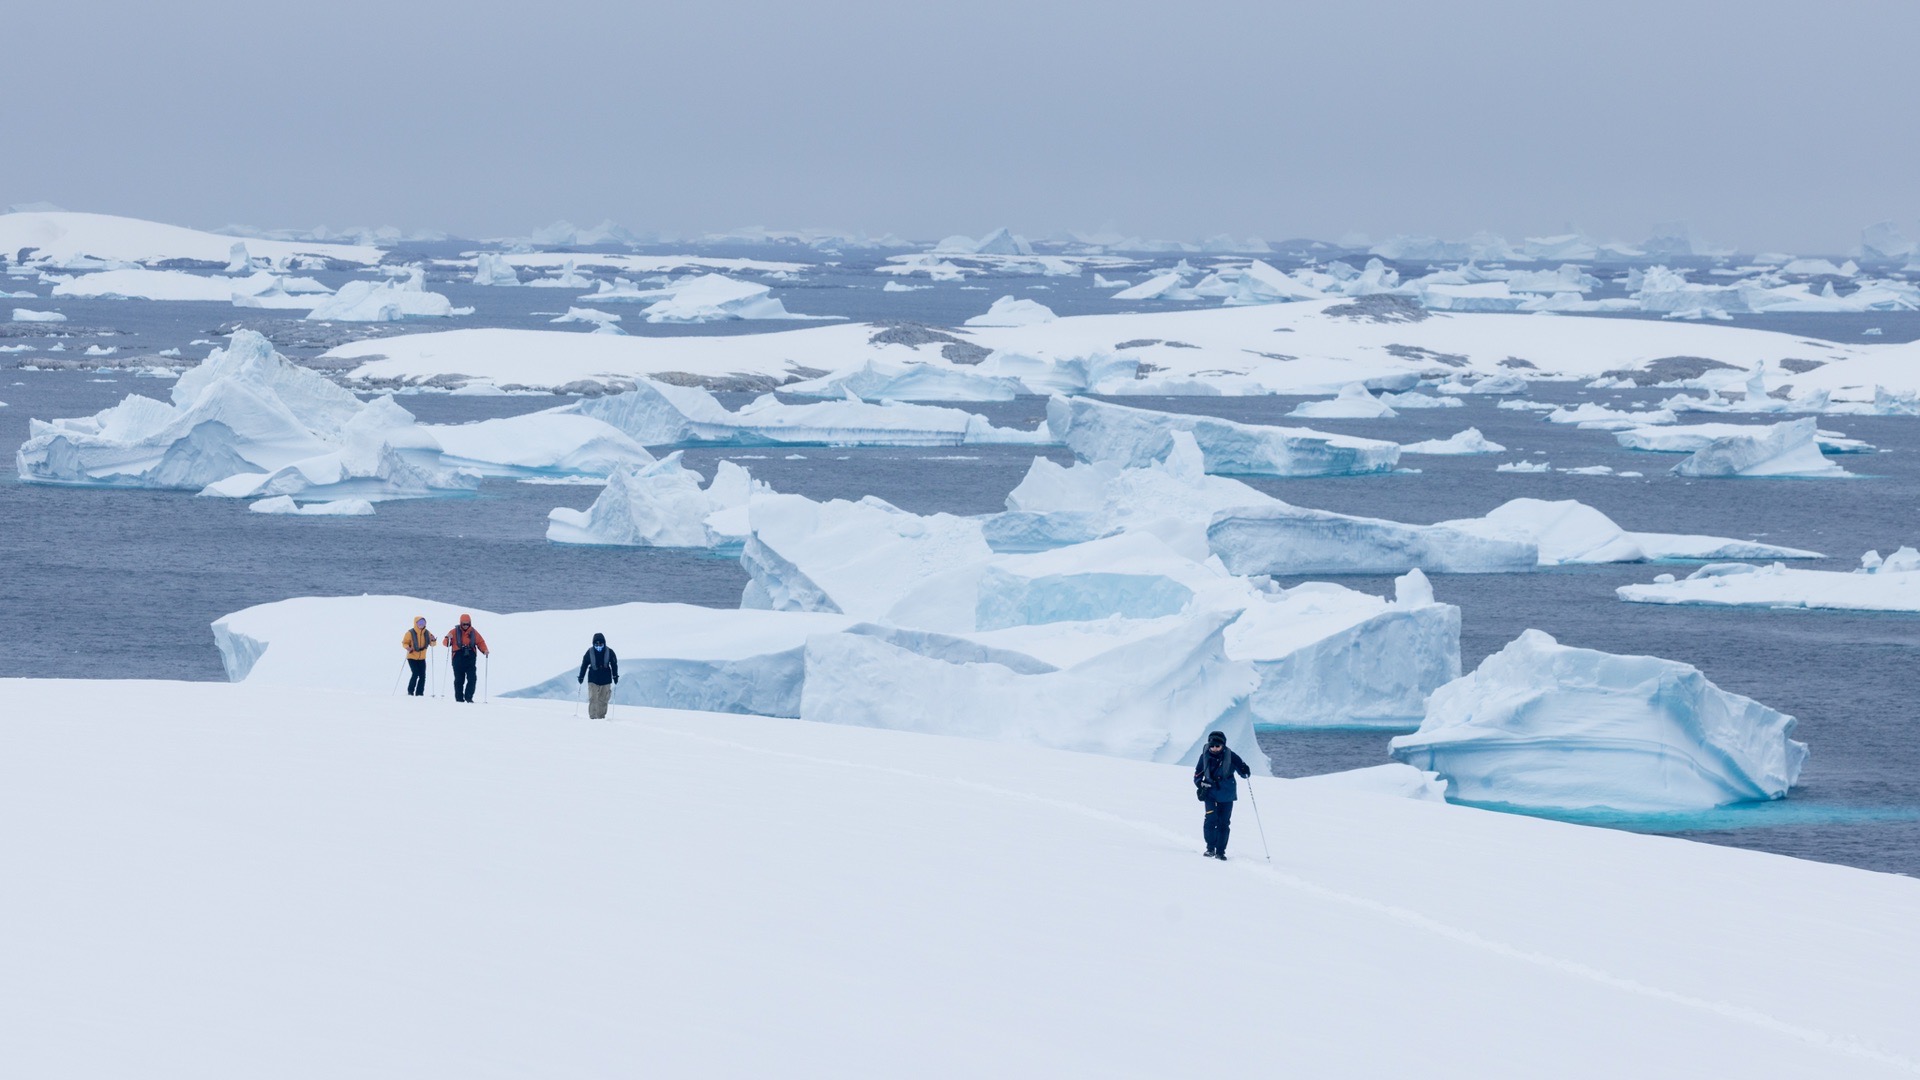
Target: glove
616, 680
583, 678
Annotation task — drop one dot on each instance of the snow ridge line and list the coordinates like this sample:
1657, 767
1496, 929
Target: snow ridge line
1842, 1044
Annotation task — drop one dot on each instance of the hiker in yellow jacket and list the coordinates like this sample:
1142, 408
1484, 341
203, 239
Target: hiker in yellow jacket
417, 641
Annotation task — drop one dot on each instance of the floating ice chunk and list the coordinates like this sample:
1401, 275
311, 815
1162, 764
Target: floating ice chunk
1257, 283
1282, 539
1098, 431
1173, 499
245, 409
662, 505
1569, 532
1415, 400
564, 277
284, 504
1787, 449
1469, 441
1689, 438
1523, 467
603, 322
491, 269
1096, 372
855, 558
380, 454
714, 298
1169, 285
1000, 241
1543, 726
21, 314
1889, 585
1149, 691
1110, 283
1354, 402
387, 301
1593, 416
1492, 384
886, 381
550, 442
1008, 311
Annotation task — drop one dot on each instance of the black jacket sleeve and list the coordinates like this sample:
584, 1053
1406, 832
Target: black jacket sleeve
613, 663
1240, 765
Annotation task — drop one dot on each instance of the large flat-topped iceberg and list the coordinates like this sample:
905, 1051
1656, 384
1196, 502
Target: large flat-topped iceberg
662, 505
1100, 431
141, 284
1892, 585
671, 655
1786, 450
1543, 726
1691, 438
658, 414
1354, 402
60, 237
1569, 532
878, 381
856, 558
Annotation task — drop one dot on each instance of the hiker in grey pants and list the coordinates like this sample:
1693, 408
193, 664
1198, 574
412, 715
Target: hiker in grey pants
600, 670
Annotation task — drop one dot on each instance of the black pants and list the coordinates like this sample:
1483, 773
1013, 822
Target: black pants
1219, 821
417, 682
465, 673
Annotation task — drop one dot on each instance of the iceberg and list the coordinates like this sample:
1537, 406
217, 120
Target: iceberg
1150, 691
658, 414
1099, 431
137, 283
1568, 533
385, 301
1354, 402
1595, 417
662, 505
1008, 311
854, 558
1789, 449
379, 454
21, 314
1469, 441
1284, 539
1690, 438
708, 298
1170, 285
552, 442
284, 504
1889, 585
244, 409
566, 276
1543, 726
491, 269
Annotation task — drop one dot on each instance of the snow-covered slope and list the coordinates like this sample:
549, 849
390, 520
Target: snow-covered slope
230, 881
62, 236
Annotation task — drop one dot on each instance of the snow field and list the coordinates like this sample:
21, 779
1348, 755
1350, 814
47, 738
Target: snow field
687, 894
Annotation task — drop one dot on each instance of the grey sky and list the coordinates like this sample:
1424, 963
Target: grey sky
1766, 124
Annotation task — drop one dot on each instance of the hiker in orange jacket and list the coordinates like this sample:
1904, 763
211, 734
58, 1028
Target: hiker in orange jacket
468, 647
417, 641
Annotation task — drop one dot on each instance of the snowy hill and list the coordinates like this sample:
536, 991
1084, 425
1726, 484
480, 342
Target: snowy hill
58, 237
235, 881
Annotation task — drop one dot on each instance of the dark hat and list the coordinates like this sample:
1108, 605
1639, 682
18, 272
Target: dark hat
1218, 738
599, 639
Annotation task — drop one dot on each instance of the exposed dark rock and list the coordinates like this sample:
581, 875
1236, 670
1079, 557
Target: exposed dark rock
1417, 352
1668, 369
1381, 308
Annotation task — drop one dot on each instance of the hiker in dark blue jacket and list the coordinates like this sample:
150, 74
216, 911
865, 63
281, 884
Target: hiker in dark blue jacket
1213, 781
599, 669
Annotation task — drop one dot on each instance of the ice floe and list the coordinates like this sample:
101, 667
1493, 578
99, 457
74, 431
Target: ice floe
1892, 584
491, 269
657, 414
887, 381
1689, 438
1543, 726
21, 314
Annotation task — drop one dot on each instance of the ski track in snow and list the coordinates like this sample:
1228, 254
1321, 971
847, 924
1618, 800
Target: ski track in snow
1845, 1045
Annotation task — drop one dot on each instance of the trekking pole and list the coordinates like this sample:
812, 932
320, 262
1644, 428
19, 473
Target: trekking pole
486, 682
404, 668
1251, 797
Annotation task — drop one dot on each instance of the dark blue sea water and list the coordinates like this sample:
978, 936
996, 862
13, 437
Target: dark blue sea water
125, 583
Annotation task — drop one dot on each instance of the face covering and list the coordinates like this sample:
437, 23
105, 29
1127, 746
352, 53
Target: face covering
599, 648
